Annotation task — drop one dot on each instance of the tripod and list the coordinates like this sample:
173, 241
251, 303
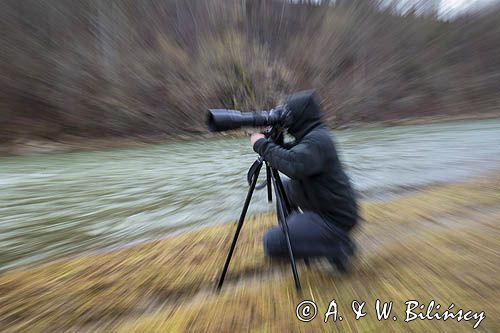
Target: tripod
283, 207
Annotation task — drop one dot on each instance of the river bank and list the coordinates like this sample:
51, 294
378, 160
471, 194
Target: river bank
29, 146
55, 205
438, 244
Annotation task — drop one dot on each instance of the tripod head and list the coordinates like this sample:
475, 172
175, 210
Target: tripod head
275, 133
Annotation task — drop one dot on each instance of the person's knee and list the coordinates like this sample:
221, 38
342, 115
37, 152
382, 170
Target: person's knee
272, 242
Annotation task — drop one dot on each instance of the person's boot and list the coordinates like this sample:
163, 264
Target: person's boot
341, 260
307, 261
352, 248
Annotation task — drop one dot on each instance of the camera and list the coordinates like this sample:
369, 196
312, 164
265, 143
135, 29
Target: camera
224, 120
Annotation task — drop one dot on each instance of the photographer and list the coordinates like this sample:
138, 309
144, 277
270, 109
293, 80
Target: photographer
317, 185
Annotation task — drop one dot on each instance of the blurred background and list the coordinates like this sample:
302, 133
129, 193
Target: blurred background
120, 68
103, 142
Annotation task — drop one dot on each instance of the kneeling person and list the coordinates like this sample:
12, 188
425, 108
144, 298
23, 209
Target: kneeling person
318, 185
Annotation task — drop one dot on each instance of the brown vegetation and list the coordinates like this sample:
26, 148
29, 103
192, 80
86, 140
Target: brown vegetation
121, 68
441, 243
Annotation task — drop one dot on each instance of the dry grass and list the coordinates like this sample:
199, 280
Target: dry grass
439, 244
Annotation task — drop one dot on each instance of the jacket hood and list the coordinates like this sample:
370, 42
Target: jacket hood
305, 113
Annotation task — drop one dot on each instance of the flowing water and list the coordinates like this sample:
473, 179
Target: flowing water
54, 205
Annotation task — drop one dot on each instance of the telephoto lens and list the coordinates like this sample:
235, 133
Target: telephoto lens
224, 120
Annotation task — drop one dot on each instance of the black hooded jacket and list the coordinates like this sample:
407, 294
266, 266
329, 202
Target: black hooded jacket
318, 182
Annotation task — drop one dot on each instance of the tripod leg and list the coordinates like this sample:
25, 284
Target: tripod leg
268, 181
282, 193
292, 258
240, 225
282, 213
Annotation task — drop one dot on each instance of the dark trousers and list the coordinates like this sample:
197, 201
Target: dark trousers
310, 236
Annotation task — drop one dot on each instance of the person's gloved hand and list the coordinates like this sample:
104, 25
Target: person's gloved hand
255, 137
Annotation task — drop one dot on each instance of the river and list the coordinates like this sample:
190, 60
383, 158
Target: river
58, 204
